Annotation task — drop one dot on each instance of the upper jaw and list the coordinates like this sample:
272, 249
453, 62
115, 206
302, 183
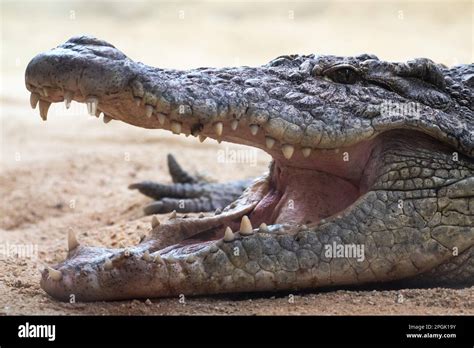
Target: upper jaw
285, 110
215, 103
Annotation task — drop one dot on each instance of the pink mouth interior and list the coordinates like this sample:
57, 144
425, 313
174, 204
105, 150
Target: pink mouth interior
304, 192
300, 191
304, 196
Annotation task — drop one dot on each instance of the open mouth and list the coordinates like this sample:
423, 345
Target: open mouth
302, 191
302, 187
305, 183
305, 192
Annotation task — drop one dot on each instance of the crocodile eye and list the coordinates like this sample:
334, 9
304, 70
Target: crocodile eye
346, 75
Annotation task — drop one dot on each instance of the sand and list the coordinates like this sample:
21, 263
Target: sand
72, 172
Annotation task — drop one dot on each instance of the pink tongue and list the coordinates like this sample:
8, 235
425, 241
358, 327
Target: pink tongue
303, 196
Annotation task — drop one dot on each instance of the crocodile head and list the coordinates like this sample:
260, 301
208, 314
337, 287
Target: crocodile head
365, 152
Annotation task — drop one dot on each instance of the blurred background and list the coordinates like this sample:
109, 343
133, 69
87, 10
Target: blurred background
72, 171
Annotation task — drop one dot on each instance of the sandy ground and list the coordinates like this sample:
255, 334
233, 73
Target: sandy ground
72, 172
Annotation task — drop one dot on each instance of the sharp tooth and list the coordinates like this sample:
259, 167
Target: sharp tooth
287, 151
44, 107
254, 129
175, 127
146, 256
34, 98
107, 119
154, 222
202, 138
72, 242
67, 99
269, 142
218, 127
92, 103
54, 274
263, 227
201, 215
161, 118
218, 211
306, 151
234, 124
148, 111
245, 226
228, 235
45, 92
137, 100
158, 259
107, 264
173, 215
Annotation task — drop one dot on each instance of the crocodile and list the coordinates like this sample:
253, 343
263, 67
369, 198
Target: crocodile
371, 179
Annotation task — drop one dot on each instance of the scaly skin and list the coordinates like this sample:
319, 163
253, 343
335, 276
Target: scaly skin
406, 194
